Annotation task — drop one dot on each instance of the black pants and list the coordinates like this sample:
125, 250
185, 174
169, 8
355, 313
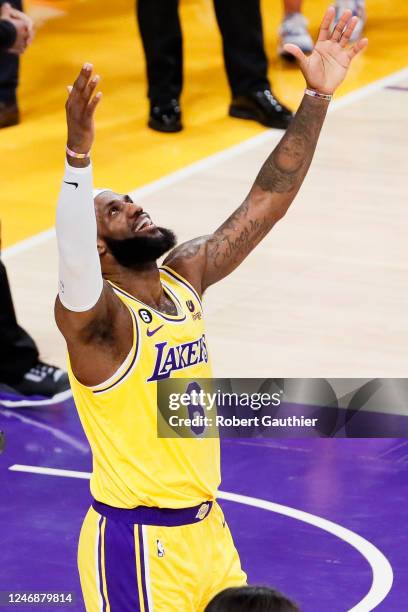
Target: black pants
240, 24
9, 64
18, 352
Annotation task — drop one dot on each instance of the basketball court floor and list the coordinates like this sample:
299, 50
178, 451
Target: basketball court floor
324, 520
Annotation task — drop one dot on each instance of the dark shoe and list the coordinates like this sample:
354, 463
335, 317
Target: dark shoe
43, 379
9, 115
166, 117
261, 106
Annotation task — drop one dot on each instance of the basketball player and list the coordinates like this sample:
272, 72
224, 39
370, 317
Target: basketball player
155, 538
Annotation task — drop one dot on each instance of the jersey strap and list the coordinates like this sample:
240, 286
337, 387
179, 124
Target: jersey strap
180, 280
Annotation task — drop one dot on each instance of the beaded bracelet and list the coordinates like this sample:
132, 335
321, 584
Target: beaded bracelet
316, 94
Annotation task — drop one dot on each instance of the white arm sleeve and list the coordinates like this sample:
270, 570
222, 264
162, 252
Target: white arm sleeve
80, 276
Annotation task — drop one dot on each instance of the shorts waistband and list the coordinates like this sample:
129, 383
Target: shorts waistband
162, 517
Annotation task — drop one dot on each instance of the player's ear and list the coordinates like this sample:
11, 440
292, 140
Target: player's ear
101, 246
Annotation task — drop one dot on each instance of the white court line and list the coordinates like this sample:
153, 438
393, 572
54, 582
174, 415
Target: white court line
27, 244
27, 403
213, 160
54, 431
33, 469
380, 566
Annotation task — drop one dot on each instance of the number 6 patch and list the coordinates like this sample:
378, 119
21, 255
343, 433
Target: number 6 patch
145, 315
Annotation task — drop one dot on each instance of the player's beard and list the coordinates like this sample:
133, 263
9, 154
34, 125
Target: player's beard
139, 250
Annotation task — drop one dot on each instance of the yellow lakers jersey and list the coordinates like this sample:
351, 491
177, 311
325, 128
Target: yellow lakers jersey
132, 466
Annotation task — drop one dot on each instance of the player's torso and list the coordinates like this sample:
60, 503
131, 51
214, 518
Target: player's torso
171, 345
132, 466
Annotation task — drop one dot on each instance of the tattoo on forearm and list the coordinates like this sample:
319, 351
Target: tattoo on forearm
282, 173
285, 169
274, 189
236, 237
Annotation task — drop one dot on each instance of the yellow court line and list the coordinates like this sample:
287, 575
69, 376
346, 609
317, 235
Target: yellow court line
126, 153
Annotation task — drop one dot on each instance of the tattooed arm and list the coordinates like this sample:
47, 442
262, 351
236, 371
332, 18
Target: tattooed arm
215, 256
273, 192
208, 259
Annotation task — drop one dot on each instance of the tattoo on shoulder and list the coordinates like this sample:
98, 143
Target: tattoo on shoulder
185, 251
191, 249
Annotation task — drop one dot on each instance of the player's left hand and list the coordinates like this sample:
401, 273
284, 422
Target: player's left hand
327, 66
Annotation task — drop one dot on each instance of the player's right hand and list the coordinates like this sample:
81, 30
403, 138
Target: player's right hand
326, 68
80, 108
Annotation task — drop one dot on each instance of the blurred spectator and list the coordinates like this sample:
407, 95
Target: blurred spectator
16, 33
294, 29
21, 370
245, 62
251, 599
358, 8
294, 25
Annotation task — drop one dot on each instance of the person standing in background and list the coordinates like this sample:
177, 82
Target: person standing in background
294, 27
357, 7
246, 64
16, 33
21, 371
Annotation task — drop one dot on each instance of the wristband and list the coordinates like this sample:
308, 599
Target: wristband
77, 155
316, 94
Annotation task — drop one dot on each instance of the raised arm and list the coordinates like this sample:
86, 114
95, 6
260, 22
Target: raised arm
80, 277
208, 259
86, 311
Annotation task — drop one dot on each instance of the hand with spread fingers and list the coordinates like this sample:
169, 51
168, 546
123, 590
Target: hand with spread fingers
327, 66
80, 108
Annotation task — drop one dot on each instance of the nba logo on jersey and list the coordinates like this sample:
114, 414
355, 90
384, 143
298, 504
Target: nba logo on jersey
202, 513
160, 549
190, 305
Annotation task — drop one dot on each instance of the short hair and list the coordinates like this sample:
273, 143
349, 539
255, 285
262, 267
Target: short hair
251, 599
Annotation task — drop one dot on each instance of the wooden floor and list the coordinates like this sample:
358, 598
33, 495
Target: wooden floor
326, 293
126, 153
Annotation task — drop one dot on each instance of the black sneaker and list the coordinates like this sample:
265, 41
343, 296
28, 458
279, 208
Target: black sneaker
166, 117
261, 106
43, 379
